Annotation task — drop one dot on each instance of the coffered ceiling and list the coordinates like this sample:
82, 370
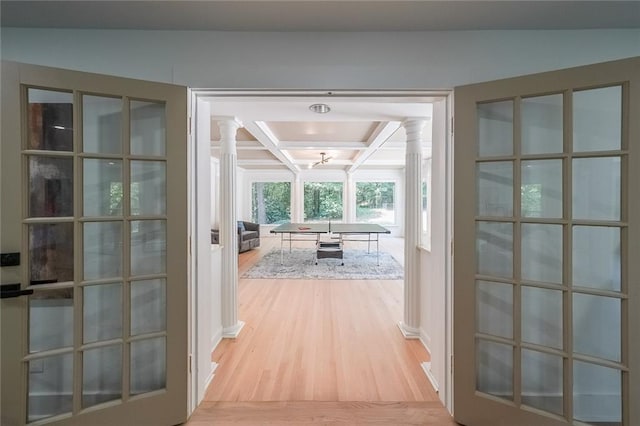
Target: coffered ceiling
357, 132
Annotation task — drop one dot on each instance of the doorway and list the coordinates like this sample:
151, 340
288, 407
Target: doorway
203, 109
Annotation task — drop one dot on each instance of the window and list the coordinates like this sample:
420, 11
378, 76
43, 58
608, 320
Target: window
271, 202
322, 201
375, 202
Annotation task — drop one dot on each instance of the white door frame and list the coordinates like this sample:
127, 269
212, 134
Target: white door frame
198, 195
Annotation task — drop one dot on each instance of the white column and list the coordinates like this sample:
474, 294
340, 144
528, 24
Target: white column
349, 199
296, 198
410, 325
228, 227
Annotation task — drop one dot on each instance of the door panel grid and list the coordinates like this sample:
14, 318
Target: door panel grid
521, 232
71, 354
543, 207
96, 295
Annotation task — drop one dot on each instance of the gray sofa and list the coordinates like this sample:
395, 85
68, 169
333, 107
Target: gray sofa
248, 236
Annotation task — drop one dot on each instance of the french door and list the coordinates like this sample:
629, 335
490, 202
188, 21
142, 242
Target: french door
94, 243
547, 248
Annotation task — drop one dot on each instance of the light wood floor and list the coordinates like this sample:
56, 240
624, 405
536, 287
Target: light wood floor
320, 352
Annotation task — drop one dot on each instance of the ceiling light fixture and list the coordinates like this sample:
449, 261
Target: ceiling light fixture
323, 160
320, 108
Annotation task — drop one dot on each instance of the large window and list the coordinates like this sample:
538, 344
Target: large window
322, 201
375, 202
271, 202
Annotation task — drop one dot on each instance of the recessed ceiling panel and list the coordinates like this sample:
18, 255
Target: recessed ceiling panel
252, 154
315, 155
391, 156
258, 159
318, 131
249, 166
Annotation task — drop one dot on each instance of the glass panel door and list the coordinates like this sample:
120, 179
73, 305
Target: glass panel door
550, 284
95, 240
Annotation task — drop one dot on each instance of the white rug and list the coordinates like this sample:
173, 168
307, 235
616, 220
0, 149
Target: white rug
299, 264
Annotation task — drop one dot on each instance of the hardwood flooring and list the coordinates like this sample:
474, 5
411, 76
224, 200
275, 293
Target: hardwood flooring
320, 352
427, 413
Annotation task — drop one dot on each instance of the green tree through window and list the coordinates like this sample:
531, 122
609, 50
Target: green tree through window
115, 198
375, 202
271, 202
322, 201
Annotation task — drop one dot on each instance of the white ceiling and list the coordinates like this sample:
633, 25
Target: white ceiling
360, 132
282, 133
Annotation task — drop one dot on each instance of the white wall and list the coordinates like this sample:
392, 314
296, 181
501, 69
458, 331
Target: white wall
369, 60
207, 300
209, 326
433, 260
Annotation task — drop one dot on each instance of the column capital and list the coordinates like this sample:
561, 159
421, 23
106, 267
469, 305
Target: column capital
228, 120
414, 121
414, 127
228, 127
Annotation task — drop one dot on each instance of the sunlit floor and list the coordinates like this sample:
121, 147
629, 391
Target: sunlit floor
332, 344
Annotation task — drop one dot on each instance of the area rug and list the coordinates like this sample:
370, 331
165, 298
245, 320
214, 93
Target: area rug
300, 264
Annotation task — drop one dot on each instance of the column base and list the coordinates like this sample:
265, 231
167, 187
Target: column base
408, 332
233, 331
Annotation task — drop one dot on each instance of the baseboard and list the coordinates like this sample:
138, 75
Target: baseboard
408, 332
233, 331
212, 373
426, 367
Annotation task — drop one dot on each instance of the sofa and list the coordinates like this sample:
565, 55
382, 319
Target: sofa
248, 236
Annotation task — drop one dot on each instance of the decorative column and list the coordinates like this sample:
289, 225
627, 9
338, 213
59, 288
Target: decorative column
410, 326
297, 210
350, 199
229, 227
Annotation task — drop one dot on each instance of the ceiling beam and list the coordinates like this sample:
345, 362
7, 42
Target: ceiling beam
260, 162
244, 148
313, 145
265, 136
380, 135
